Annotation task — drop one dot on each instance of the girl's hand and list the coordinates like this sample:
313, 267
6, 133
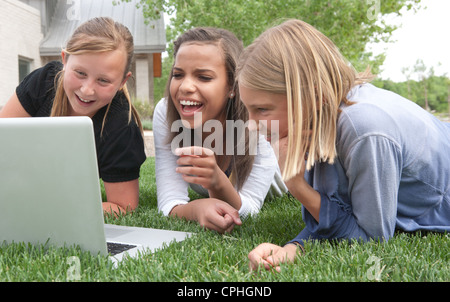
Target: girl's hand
270, 256
217, 215
198, 165
211, 213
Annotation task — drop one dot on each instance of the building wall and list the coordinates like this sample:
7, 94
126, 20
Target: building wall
144, 78
46, 7
20, 35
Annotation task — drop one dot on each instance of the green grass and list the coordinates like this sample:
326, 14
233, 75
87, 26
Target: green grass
209, 256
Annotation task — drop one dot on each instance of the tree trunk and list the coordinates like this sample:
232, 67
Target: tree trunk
426, 97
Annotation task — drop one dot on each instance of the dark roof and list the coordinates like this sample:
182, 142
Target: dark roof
148, 38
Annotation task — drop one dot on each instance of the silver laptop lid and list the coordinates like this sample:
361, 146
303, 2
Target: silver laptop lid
49, 183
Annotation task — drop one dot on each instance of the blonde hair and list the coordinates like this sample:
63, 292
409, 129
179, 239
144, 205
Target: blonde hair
95, 36
231, 48
297, 60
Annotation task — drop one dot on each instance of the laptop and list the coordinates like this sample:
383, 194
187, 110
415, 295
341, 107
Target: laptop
50, 191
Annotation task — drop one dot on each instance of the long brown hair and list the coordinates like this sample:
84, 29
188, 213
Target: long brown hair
231, 48
94, 36
297, 60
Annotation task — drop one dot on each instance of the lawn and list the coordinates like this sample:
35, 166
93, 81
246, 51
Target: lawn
211, 257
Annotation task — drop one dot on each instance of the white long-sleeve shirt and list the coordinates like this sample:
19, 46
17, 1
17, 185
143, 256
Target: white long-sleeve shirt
264, 179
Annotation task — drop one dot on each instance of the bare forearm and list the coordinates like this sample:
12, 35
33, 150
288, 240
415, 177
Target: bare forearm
226, 192
304, 193
121, 197
112, 208
184, 211
211, 213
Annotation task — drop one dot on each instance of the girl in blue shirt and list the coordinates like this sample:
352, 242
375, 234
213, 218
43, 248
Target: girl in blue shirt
362, 161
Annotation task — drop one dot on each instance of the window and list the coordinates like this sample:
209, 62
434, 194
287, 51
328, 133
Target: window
24, 68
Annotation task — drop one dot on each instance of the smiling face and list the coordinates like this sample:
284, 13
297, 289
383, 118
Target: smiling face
264, 108
199, 83
91, 80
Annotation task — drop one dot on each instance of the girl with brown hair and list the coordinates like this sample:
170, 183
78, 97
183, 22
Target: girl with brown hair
201, 92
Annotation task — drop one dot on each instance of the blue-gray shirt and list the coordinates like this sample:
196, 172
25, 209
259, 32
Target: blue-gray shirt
392, 171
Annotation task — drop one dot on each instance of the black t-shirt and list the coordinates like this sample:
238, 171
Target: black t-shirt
120, 148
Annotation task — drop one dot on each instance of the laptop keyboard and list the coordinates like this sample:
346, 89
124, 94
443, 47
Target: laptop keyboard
115, 248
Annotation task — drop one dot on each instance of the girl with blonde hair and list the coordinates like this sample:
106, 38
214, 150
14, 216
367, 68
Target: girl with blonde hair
91, 81
201, 91
362, 161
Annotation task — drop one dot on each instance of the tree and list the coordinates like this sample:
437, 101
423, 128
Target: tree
448, 95
438, 91
423, 75
447, 83
407, 73
351, 24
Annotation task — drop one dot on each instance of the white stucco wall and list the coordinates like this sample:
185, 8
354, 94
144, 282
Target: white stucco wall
20, 35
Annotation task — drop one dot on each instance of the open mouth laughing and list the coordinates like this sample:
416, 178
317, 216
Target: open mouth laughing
83, 100
190, 107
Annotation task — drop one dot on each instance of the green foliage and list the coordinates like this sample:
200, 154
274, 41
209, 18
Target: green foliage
161, 82
144, 109
351, 24
437, 91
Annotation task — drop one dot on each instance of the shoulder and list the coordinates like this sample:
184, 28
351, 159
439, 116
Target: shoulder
368, 110
119, 141
380, 112
161, 106
36, 91
374, 111
160, 112
44, 76
117, 116
382, 118
160, 124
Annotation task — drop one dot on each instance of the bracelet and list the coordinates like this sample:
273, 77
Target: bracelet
299, 246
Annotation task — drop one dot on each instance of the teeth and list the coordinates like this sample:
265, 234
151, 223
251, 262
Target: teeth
189, 103
83, 100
